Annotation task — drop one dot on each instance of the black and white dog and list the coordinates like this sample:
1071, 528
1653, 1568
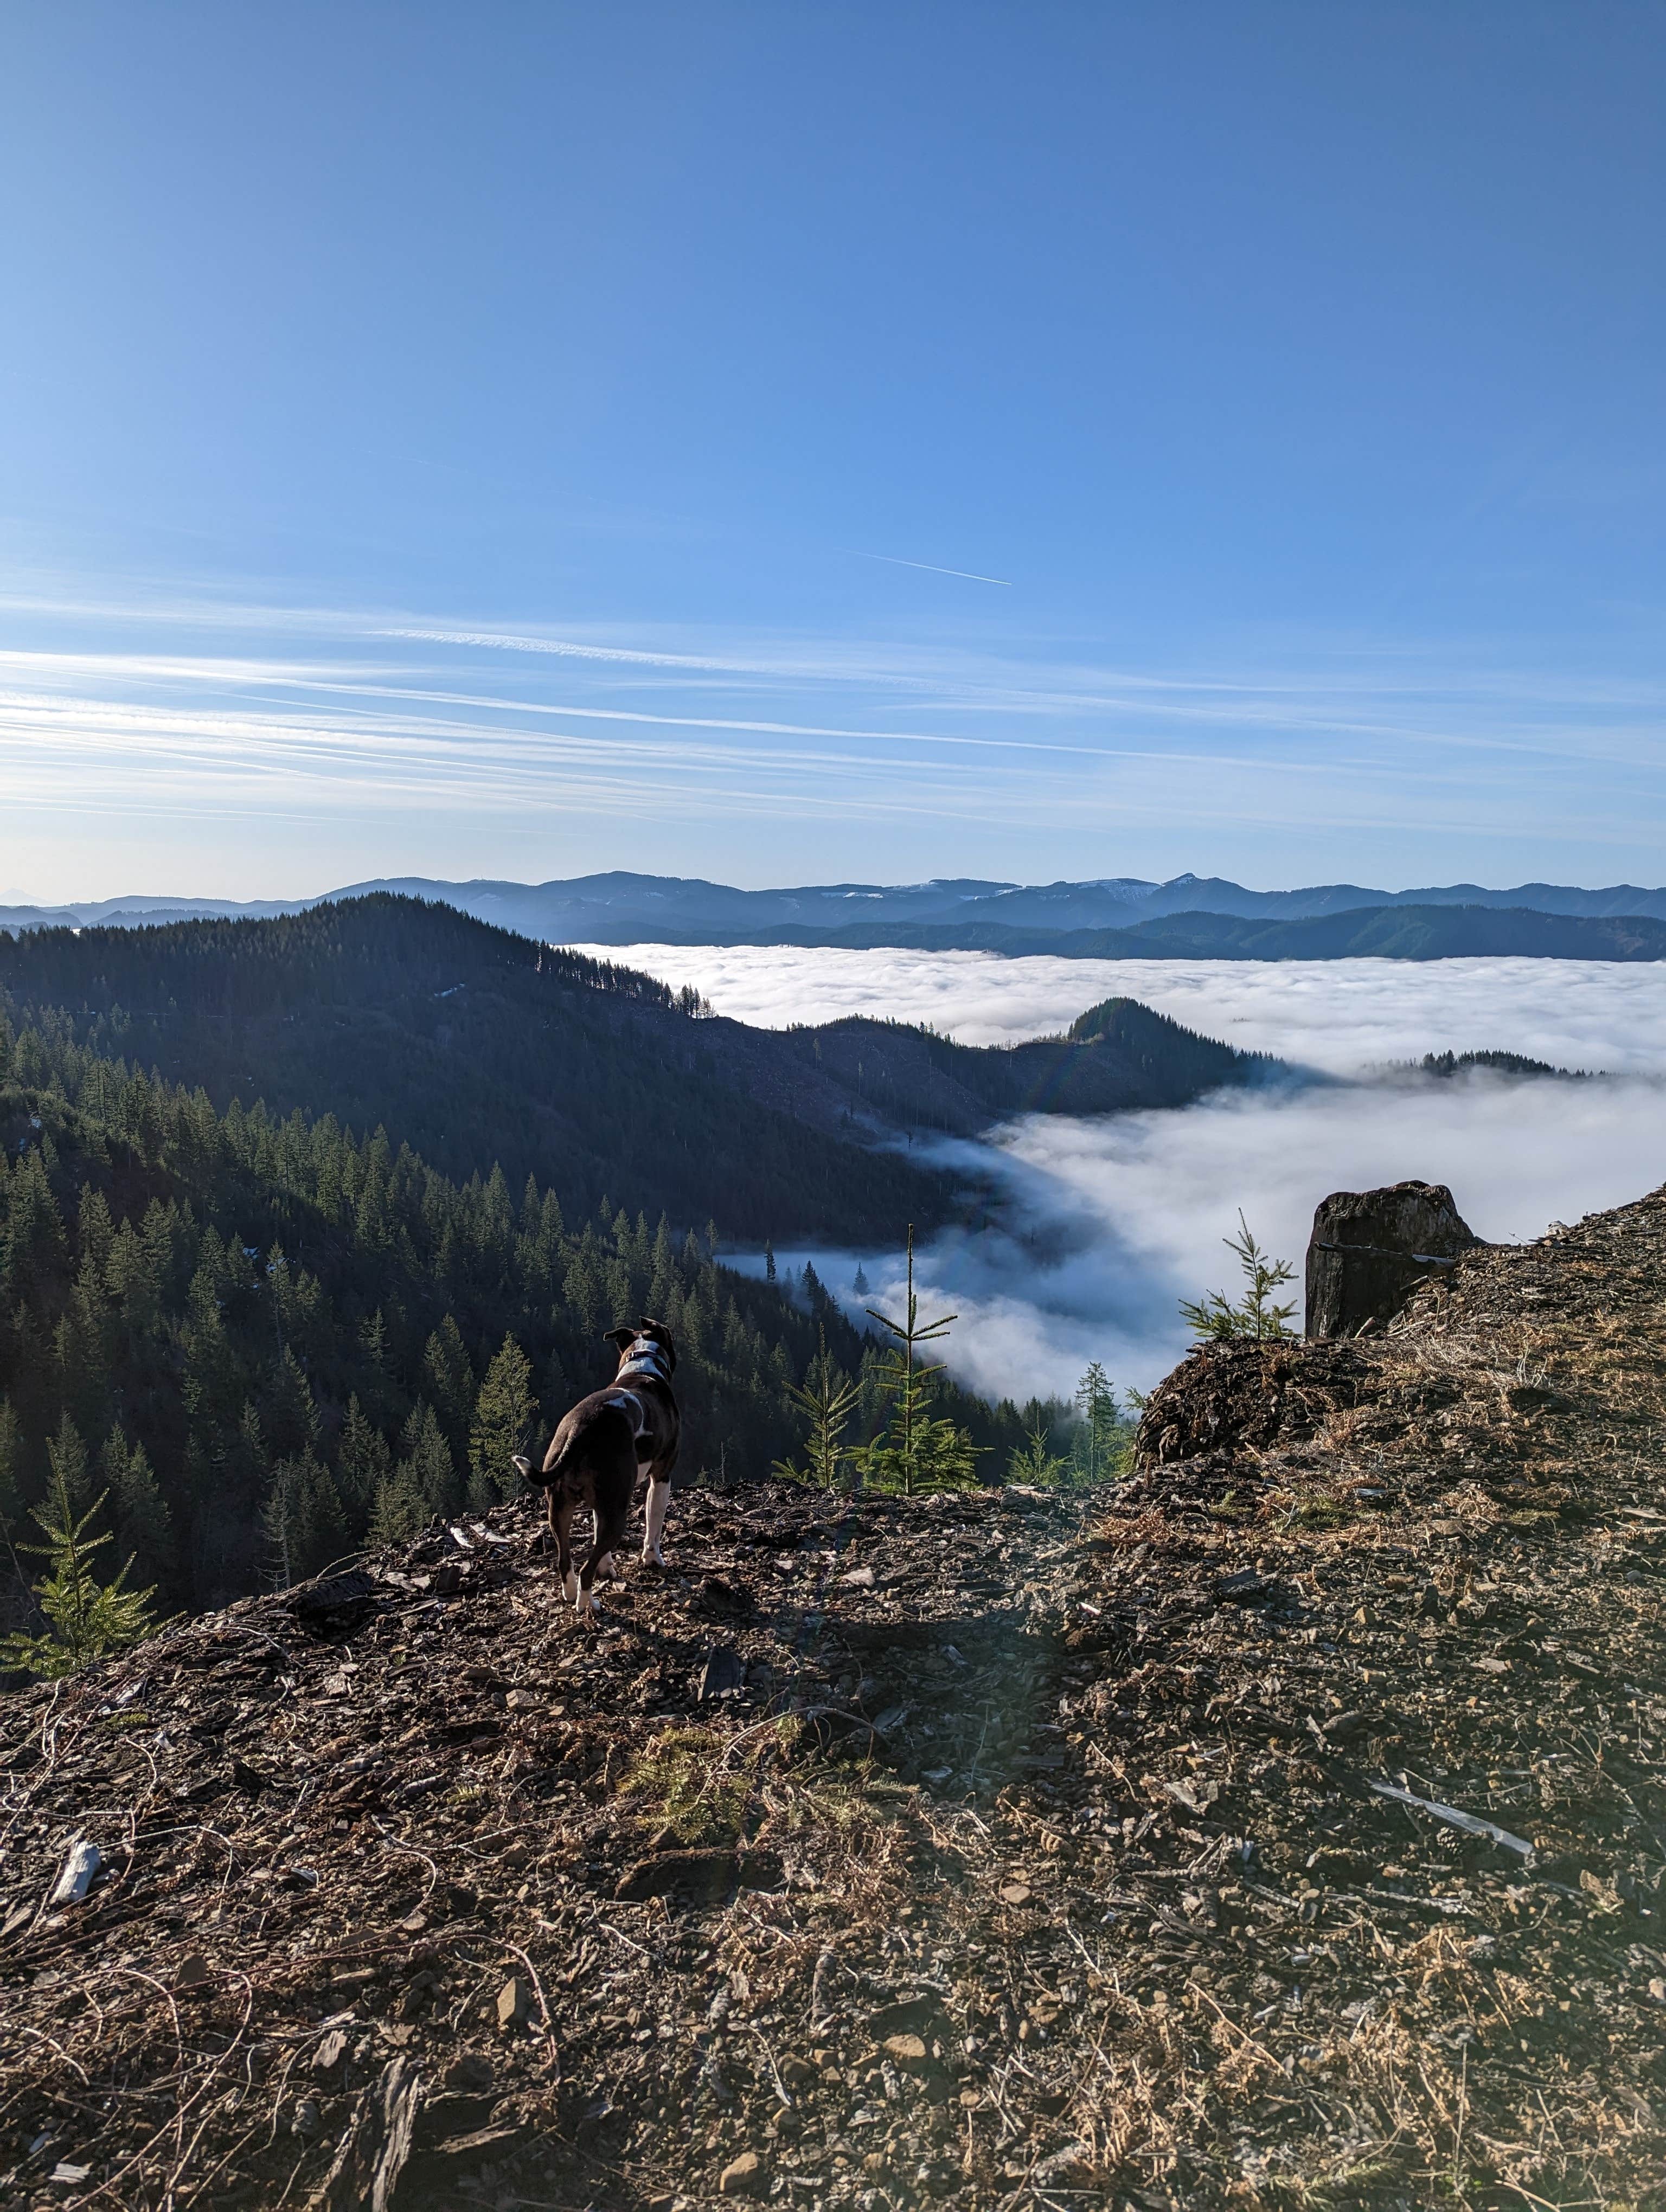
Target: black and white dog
595, 1455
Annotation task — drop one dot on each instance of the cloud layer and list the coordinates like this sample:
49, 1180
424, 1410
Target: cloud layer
1337, 1015
1110, 1221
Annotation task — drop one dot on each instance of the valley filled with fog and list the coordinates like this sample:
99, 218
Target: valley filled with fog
1109, 1221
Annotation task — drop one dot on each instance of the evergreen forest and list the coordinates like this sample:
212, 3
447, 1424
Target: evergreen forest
261, 1338
477, 1045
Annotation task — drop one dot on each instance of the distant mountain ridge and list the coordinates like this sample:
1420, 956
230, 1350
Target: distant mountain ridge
1398, 932
620, 908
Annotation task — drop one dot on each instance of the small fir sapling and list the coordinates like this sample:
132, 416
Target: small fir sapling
915, 1450
828, 1398
85, 1618
1215, 1319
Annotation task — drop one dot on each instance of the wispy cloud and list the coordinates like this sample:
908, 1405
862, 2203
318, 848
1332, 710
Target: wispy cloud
156, 707
967, 575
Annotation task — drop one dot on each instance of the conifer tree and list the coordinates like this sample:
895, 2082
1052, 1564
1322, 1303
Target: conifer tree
422, 1484
33, 1244
66, 1455
504, 1414
96, 1235
426, 1459
1215, 1319
1096, 1440
11, 1467
377, 1390
451, 1380
363, 1461
246, 1459
85, 1618
828, 1399
398, 1512
142, 1522
1032, 1461
916, 1451
303, 1518
289, 1415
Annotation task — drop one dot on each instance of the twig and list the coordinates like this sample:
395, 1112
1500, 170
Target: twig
608, 1928
775, 2072
41, 2036
397, 1844
1470, 1823
542, 2006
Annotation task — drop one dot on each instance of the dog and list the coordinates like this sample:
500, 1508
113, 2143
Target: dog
595, 1455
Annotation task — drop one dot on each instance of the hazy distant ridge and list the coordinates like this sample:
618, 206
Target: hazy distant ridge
1112, 916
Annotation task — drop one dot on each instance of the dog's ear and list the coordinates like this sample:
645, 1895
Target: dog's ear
661, 1336
624, 1337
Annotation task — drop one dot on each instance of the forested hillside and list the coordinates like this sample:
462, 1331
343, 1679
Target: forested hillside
1119, 1057
265, 1335
476, 1047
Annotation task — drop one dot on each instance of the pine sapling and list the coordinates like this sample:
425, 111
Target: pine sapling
917, 1450
1032, 1463
1215, 1319
85, 1619
828, 1399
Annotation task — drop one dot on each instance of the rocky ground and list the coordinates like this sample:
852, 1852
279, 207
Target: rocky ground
1286, 1828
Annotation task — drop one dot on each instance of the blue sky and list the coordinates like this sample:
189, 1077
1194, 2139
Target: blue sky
1296, 369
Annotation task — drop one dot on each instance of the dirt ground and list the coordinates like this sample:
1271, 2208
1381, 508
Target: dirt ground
995, 1850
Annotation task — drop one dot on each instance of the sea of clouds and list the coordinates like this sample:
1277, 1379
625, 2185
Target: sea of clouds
1109, 1221
1339, 1015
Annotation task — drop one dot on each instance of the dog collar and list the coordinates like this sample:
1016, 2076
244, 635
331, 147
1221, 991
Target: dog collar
642, 1363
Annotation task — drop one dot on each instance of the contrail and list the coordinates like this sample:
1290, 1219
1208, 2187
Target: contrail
970, 575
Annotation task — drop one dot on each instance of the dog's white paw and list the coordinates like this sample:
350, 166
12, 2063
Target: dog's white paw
607, 1566
569, 1588
653, 1556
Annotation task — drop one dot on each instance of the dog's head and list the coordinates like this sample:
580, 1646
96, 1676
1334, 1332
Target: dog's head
649, 1340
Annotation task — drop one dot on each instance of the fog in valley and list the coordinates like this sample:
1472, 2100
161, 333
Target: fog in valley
1109, 1221
1339, 1015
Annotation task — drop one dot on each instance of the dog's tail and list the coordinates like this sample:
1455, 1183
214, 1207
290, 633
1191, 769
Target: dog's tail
531, 1471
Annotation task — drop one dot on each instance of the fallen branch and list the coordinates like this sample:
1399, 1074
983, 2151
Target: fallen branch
1471, 1823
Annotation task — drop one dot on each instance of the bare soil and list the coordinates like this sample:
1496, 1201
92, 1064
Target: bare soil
994, 1850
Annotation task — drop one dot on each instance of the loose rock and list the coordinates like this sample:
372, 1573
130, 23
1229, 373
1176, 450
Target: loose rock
745, 2176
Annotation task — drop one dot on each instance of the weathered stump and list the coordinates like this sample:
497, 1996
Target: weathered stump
1369, 1249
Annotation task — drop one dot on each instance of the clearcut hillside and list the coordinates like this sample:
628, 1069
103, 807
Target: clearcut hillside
1284, 1828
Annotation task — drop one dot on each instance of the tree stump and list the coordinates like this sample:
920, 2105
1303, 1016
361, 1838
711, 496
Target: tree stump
1369, 1249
